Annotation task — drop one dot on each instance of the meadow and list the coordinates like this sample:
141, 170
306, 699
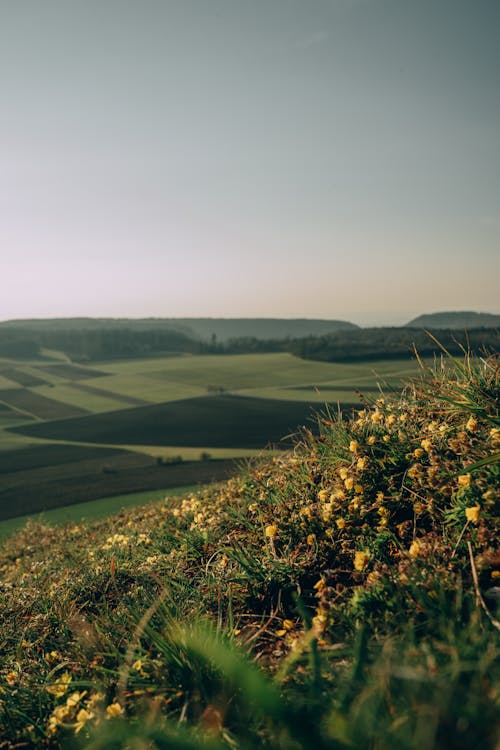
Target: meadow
140, 415
341, 594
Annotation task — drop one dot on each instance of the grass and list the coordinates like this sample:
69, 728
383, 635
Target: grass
336, 596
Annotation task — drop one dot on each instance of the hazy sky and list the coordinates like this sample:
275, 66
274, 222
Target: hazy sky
285, 158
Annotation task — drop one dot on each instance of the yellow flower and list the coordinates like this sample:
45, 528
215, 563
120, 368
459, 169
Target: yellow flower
137, 665
361, 463
271, 531
426, 444
472, 424
343, 473
358, 488
418, 452
340, 523
380, 496
81, 719
349, 483
61, 686
472, 514
360, 560
114, 710
311, 539
415, 548
75, 698
338, 495
371, 440
322, 495
288, 624
386, 438
376, 416
390, 419
353, 446
464, 480
11, 678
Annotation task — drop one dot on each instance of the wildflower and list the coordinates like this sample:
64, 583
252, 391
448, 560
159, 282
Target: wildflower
60, 687
464, 480
340, 522
386, 438
343, 472
472, 514
353, 446
137, 665
81, 719
426, 444
361, 463
75, 698
472, 424
390, 419
349, 483
271, 531
415, 549
371, 440
360, 560
358, 488
11, 678
311, 539
418, 452
327, 510
59, 714
377, 416
322, 495
114, 710
380, 496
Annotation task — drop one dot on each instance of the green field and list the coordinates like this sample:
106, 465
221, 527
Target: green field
93, 509
141, 414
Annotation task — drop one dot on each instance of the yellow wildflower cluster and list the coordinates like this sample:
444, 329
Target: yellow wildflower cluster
116, 540
74, 712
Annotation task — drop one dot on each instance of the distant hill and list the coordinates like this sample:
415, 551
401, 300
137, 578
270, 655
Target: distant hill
452, 320
198, 328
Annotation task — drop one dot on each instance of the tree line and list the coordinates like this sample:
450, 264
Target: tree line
85, 345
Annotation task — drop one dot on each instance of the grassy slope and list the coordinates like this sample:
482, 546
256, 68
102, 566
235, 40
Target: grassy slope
343, 568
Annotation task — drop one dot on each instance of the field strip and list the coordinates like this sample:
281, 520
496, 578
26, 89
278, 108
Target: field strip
130, 400
16, 408
187, 453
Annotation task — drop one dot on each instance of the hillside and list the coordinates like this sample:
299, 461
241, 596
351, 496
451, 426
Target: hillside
338, 596
456, 320
197, 328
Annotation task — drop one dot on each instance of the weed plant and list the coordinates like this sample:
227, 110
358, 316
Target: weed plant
339, 596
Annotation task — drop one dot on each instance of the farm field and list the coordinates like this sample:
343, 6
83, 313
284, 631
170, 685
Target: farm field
93, 509
139, 415
43, 477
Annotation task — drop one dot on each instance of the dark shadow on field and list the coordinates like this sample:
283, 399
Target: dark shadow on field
219, 421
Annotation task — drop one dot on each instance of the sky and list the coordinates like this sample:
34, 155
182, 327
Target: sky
249, 158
